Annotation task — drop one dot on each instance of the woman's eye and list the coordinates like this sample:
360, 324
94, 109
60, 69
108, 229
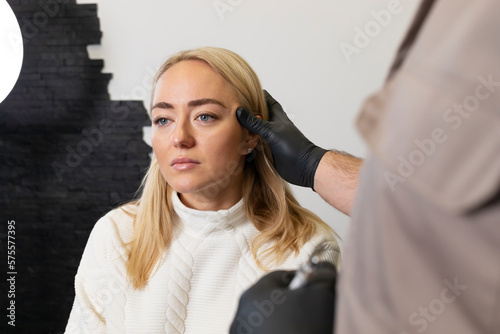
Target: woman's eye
206, 118
162, 121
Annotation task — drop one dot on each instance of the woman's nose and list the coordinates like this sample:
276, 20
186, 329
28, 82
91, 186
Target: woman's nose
182, 135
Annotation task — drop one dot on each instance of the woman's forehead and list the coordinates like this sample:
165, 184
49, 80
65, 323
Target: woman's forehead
193, 80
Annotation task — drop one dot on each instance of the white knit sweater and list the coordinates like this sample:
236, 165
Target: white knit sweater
195, 287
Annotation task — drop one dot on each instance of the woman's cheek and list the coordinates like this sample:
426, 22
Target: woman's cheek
158, 139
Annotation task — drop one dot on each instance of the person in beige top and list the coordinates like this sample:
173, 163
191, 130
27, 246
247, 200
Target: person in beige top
423, 251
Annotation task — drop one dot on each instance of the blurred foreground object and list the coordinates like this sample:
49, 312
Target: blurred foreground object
270, 306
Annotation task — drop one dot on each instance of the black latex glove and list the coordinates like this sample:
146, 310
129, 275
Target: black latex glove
270, 307
295, 157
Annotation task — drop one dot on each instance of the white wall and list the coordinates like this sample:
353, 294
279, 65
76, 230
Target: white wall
293, 45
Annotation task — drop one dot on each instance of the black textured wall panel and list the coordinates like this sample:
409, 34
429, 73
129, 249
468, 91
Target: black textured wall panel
68, 154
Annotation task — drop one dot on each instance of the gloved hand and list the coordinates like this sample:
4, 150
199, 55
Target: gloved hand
270, 307
295, 157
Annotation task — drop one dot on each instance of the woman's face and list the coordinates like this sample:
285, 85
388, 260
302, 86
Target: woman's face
199, 144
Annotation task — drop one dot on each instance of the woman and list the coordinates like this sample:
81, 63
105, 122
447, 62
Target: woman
213, 215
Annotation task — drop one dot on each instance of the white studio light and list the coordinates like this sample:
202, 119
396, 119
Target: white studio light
11, 49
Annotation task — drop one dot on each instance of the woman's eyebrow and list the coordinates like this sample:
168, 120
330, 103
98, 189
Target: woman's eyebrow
200, 102
163, 105
193, 103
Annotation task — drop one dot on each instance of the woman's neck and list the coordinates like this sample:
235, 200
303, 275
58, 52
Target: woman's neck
205, 201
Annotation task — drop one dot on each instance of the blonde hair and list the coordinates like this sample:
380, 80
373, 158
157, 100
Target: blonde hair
285, 226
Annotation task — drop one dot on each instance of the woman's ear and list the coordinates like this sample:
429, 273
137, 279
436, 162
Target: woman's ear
253, 140
250, 142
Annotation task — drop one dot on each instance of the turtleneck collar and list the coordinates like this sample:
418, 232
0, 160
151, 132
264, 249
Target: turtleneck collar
202, 223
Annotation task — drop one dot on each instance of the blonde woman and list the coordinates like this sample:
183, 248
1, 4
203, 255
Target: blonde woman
212, 218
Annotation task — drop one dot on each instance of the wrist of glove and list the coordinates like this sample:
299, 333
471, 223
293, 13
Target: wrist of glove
296, 158
271, 307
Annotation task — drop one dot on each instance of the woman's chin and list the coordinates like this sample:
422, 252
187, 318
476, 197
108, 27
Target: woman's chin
186, 188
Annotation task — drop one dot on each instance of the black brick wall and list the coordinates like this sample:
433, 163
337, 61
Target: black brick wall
68, 154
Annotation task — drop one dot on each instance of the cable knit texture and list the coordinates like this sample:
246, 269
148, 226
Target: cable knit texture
194, 288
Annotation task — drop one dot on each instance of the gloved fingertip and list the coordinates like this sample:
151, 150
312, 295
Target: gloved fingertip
241, 112
249, 120
244, 116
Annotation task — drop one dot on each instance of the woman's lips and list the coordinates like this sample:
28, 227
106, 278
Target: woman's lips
183, 163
